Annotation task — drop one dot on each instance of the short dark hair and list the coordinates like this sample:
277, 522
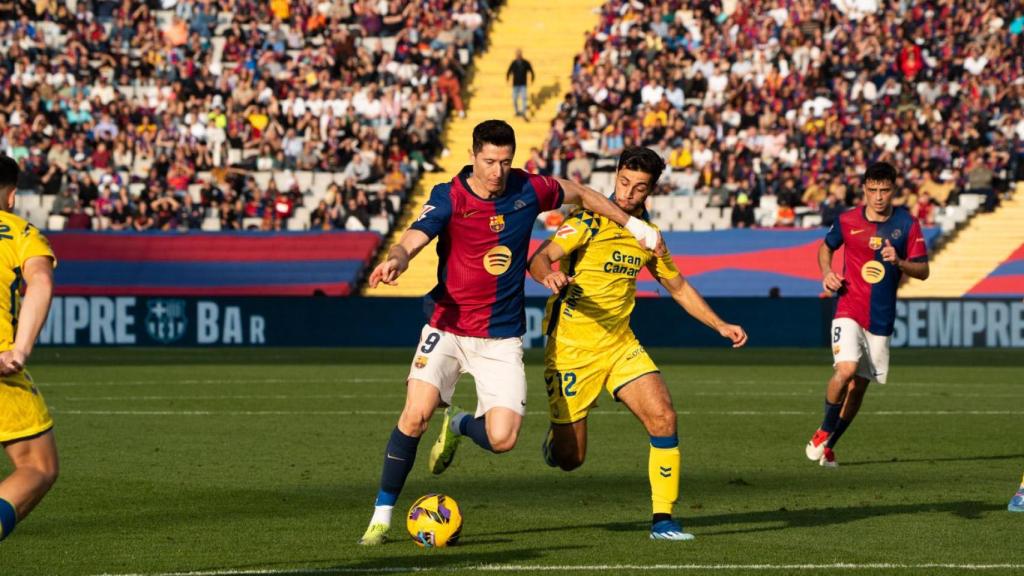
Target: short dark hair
8, 171
880, 172
642, 160
495, 132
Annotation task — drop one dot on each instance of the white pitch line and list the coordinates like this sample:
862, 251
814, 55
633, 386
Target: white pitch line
583, 568
529, 413
172, 382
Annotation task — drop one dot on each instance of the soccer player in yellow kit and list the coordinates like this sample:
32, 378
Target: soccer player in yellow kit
25, 423
590, 344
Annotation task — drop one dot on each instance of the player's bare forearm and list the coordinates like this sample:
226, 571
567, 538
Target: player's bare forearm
825, 259
540, 263
397, 261
38, 274
690, 300
919, 270
593, 200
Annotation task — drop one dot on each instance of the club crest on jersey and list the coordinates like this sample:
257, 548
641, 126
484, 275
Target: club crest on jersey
873, 272
875, 242
421, 362
497, 260
835, 350
497, 223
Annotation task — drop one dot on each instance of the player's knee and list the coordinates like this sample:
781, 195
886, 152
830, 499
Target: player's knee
45, 468
413, 422
845, 372
662, 422
502, 440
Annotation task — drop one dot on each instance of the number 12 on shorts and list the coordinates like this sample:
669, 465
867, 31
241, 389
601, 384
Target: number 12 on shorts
562, 383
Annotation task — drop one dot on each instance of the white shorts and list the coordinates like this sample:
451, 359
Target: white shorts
496, 365
852, 343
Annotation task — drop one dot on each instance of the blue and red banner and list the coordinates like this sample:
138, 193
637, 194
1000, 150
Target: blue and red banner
741, 262
1007, 280
211, 264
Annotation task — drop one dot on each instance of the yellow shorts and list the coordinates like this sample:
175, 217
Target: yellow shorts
23, 412
574, 377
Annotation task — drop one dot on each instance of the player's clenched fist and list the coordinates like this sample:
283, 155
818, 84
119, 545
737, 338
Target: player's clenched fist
832, 282
11, 362
735, 333
556, 281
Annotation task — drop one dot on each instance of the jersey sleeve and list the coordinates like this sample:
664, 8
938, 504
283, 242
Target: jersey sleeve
32, 243
436, 212
549, 192
834, 237
574, 232
917, 248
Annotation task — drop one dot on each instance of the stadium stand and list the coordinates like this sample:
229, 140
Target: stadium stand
234, 114
209, 264
784, 104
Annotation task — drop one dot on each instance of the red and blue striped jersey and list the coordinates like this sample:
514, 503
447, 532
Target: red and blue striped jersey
868, 295
482, 249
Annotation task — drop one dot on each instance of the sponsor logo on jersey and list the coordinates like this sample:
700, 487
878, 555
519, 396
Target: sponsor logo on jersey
426, 210
497, 260
873, 272
565, 231
875, 242
856, 231
519, 204
497, 223
469, 213
896, 234
420, 362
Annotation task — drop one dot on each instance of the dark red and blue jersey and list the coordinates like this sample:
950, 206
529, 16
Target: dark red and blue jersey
482, 246
868, 295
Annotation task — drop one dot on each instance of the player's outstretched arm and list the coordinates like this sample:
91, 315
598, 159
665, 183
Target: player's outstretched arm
830, 281
542, 271
397, 262
687, 296
919, 270
594, 201
38, 275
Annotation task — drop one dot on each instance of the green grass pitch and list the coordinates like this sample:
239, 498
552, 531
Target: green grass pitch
267, 462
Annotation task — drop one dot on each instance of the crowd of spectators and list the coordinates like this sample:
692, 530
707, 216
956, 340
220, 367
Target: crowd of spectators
119, 107
793, 98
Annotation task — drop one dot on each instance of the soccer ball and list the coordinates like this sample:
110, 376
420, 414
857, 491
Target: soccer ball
434, 521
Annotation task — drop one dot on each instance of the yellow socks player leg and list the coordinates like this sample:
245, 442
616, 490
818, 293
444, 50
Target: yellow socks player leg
663, 473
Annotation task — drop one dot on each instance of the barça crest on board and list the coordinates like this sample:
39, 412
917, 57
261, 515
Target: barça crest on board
420, 362
497, 223
166, 320
875, 242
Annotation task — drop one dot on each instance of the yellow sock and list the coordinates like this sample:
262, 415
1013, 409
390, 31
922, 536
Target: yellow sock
663, 473
1022, 482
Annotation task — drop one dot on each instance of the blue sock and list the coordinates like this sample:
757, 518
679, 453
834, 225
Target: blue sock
840, 428
398, 460
475, 428
8, 518
831, 416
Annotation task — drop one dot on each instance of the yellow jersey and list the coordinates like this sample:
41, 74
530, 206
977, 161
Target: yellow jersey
605, 259
19, 241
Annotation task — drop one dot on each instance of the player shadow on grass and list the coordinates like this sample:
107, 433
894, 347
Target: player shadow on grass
784, 519
448, 559
1015, 457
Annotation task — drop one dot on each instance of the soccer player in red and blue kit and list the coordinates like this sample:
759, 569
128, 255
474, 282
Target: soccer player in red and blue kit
883, 243
482, 220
